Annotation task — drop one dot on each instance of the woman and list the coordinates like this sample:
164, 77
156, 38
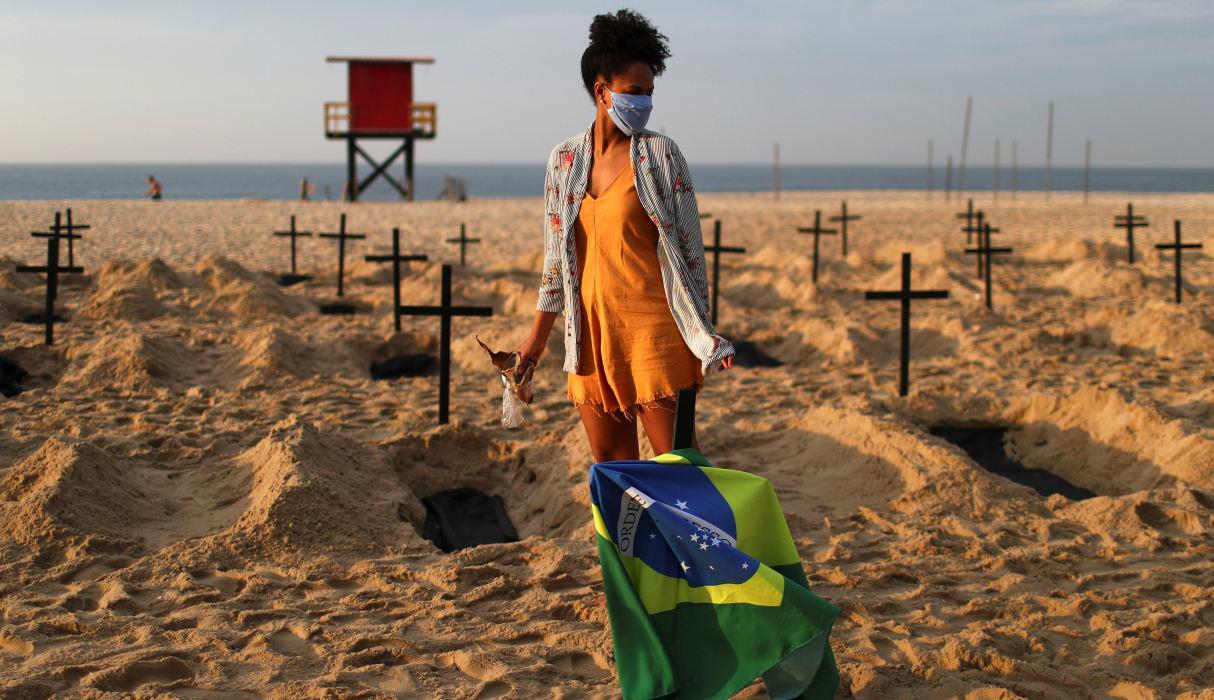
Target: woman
623, 254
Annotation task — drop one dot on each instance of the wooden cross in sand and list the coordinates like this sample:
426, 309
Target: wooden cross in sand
1176, 247
445, 311
684, 419
294, 234
342, 236
52, 270
980, 227
905, 295
463, 242
842, 220
984, 251
817, 231
396, 259
1130, 221
968, 215
716, 249
972, 226
68, 227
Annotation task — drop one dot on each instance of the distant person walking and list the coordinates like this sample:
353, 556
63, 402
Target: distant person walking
153, 188
305, 190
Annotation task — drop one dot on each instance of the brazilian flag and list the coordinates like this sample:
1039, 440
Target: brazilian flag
704, 586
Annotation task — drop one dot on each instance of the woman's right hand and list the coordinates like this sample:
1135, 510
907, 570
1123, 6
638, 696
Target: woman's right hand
531, 349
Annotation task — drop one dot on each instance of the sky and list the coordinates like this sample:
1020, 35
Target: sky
860, 82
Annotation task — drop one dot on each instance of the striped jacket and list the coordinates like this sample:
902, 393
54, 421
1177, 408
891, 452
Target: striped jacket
663, 185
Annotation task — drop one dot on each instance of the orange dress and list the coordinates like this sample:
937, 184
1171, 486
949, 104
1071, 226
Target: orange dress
632, 353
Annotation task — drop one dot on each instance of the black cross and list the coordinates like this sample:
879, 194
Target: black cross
396, 259
979, 226
716, 249
684, 419
293, 233
52, 271
817, 231
1177, 247
1130, 221
463, 242
973, 225
445, 310
69, 227
842, 221
905, 295
984, 251
968, 215
341, 237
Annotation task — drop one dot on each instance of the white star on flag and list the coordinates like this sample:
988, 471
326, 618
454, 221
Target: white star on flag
684, 565
695, 538
681, 505
745, 565
652, 535
704, 546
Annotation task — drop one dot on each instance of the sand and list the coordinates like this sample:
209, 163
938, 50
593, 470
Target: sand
204, 494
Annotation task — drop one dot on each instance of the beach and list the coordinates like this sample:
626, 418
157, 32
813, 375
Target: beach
203, 492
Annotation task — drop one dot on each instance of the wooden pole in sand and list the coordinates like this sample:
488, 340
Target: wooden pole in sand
995, 181
948, 179
684, 418
965, 143
1087, 169
930, 174
1049, 152
1015, 167
775, 164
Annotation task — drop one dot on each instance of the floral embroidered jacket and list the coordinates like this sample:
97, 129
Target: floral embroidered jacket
664, 187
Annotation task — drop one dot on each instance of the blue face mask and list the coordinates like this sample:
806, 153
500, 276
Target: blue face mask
630, 112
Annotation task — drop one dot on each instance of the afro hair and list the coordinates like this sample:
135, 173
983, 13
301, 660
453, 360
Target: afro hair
618, 40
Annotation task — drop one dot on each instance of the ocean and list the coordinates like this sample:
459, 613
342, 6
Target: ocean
281, 180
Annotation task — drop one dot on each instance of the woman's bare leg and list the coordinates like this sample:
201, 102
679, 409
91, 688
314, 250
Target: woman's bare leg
659, 426
610, 438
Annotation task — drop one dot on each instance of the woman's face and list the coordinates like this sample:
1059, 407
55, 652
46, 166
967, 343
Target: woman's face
635, 79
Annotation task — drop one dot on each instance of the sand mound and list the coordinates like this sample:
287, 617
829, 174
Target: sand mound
127, 303
10, 279
243, 294
806, 338
508, 297
1094, 278
1145, 517
923, 255
316, 490
1060, 250
1162, 328
930, 276
134, 361
856, 461
148, 272
847, 342
14, 305
269, 350
66, 490
1097, 439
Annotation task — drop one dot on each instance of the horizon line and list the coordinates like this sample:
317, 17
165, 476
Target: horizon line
936, 166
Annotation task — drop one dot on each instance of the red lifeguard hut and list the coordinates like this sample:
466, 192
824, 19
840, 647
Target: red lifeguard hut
379, 106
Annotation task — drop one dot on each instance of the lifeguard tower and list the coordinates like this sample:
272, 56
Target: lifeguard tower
379, 106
